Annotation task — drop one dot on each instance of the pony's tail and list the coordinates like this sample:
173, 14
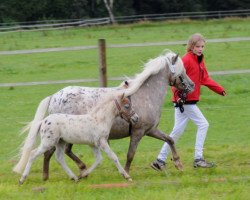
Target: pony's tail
31, 138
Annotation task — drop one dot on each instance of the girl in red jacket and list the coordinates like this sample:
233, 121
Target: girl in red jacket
186, 108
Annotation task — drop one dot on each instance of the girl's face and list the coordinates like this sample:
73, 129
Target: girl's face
198, 48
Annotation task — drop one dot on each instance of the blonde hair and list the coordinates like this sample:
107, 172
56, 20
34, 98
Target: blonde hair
193, 41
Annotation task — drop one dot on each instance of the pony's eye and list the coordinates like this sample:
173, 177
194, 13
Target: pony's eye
126, 106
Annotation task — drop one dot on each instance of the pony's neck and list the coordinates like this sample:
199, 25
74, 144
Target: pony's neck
153, 90
157, 86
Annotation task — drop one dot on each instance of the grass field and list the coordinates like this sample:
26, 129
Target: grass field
228, 137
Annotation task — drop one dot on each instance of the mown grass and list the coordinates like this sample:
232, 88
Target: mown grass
132, 33
120, 61
226, 144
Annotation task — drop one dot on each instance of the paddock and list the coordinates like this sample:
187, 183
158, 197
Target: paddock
227, 140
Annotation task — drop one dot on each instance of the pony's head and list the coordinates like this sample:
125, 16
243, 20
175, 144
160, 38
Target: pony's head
177, 76
168, 61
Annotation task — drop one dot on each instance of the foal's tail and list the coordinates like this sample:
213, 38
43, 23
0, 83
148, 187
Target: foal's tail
30, 140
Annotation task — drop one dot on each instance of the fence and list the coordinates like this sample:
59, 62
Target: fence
102, 60
60, 24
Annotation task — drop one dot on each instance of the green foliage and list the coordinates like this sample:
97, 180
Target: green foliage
228, 136
226, 5
34, 10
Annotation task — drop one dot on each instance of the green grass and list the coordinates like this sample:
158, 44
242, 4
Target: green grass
228, 137
132, 33
120, 61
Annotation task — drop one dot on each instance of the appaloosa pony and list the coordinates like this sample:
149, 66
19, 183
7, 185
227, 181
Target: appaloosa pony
92, 129
158, 73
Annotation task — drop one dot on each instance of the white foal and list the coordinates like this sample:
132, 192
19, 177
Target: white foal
91, 129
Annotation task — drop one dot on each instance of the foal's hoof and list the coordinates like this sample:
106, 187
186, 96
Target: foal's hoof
22, 179
76, 179
129, 179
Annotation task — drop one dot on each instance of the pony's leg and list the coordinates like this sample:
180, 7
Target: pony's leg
98, 157
33, 156
162, 136
134, 141
105, 147
46, 161
60, 159
68, 150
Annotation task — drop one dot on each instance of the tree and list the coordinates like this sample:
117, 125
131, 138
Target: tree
227, 5
109, 6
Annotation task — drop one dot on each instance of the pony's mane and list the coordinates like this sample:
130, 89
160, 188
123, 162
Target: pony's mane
152, 67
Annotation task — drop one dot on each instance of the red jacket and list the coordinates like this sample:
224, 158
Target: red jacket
197, 72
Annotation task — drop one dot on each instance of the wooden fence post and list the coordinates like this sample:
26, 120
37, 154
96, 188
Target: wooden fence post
102, 62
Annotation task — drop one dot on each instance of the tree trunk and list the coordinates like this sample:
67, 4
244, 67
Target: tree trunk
109, 6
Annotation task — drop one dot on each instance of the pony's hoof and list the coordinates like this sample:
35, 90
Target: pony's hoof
45, 177
82, 176
178, 165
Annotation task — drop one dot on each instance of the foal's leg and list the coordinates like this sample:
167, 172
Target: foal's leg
68, 150
105, 147
60, 159
98, 156
160, 135
33, 156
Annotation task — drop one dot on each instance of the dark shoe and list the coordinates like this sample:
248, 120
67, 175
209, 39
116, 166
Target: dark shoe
203, 163
158, 165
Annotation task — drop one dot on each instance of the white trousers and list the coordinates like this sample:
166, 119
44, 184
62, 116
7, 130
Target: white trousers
191, 112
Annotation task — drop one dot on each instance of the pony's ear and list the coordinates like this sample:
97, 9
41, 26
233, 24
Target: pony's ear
174, 59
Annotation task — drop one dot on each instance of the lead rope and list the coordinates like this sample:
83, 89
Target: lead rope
130, 124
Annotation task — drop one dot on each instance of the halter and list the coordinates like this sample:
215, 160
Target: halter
172, 83
123, 114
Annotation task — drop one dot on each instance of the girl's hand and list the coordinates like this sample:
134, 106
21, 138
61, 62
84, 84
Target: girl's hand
224, 93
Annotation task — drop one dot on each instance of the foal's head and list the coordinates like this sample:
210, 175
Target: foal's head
126, 111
